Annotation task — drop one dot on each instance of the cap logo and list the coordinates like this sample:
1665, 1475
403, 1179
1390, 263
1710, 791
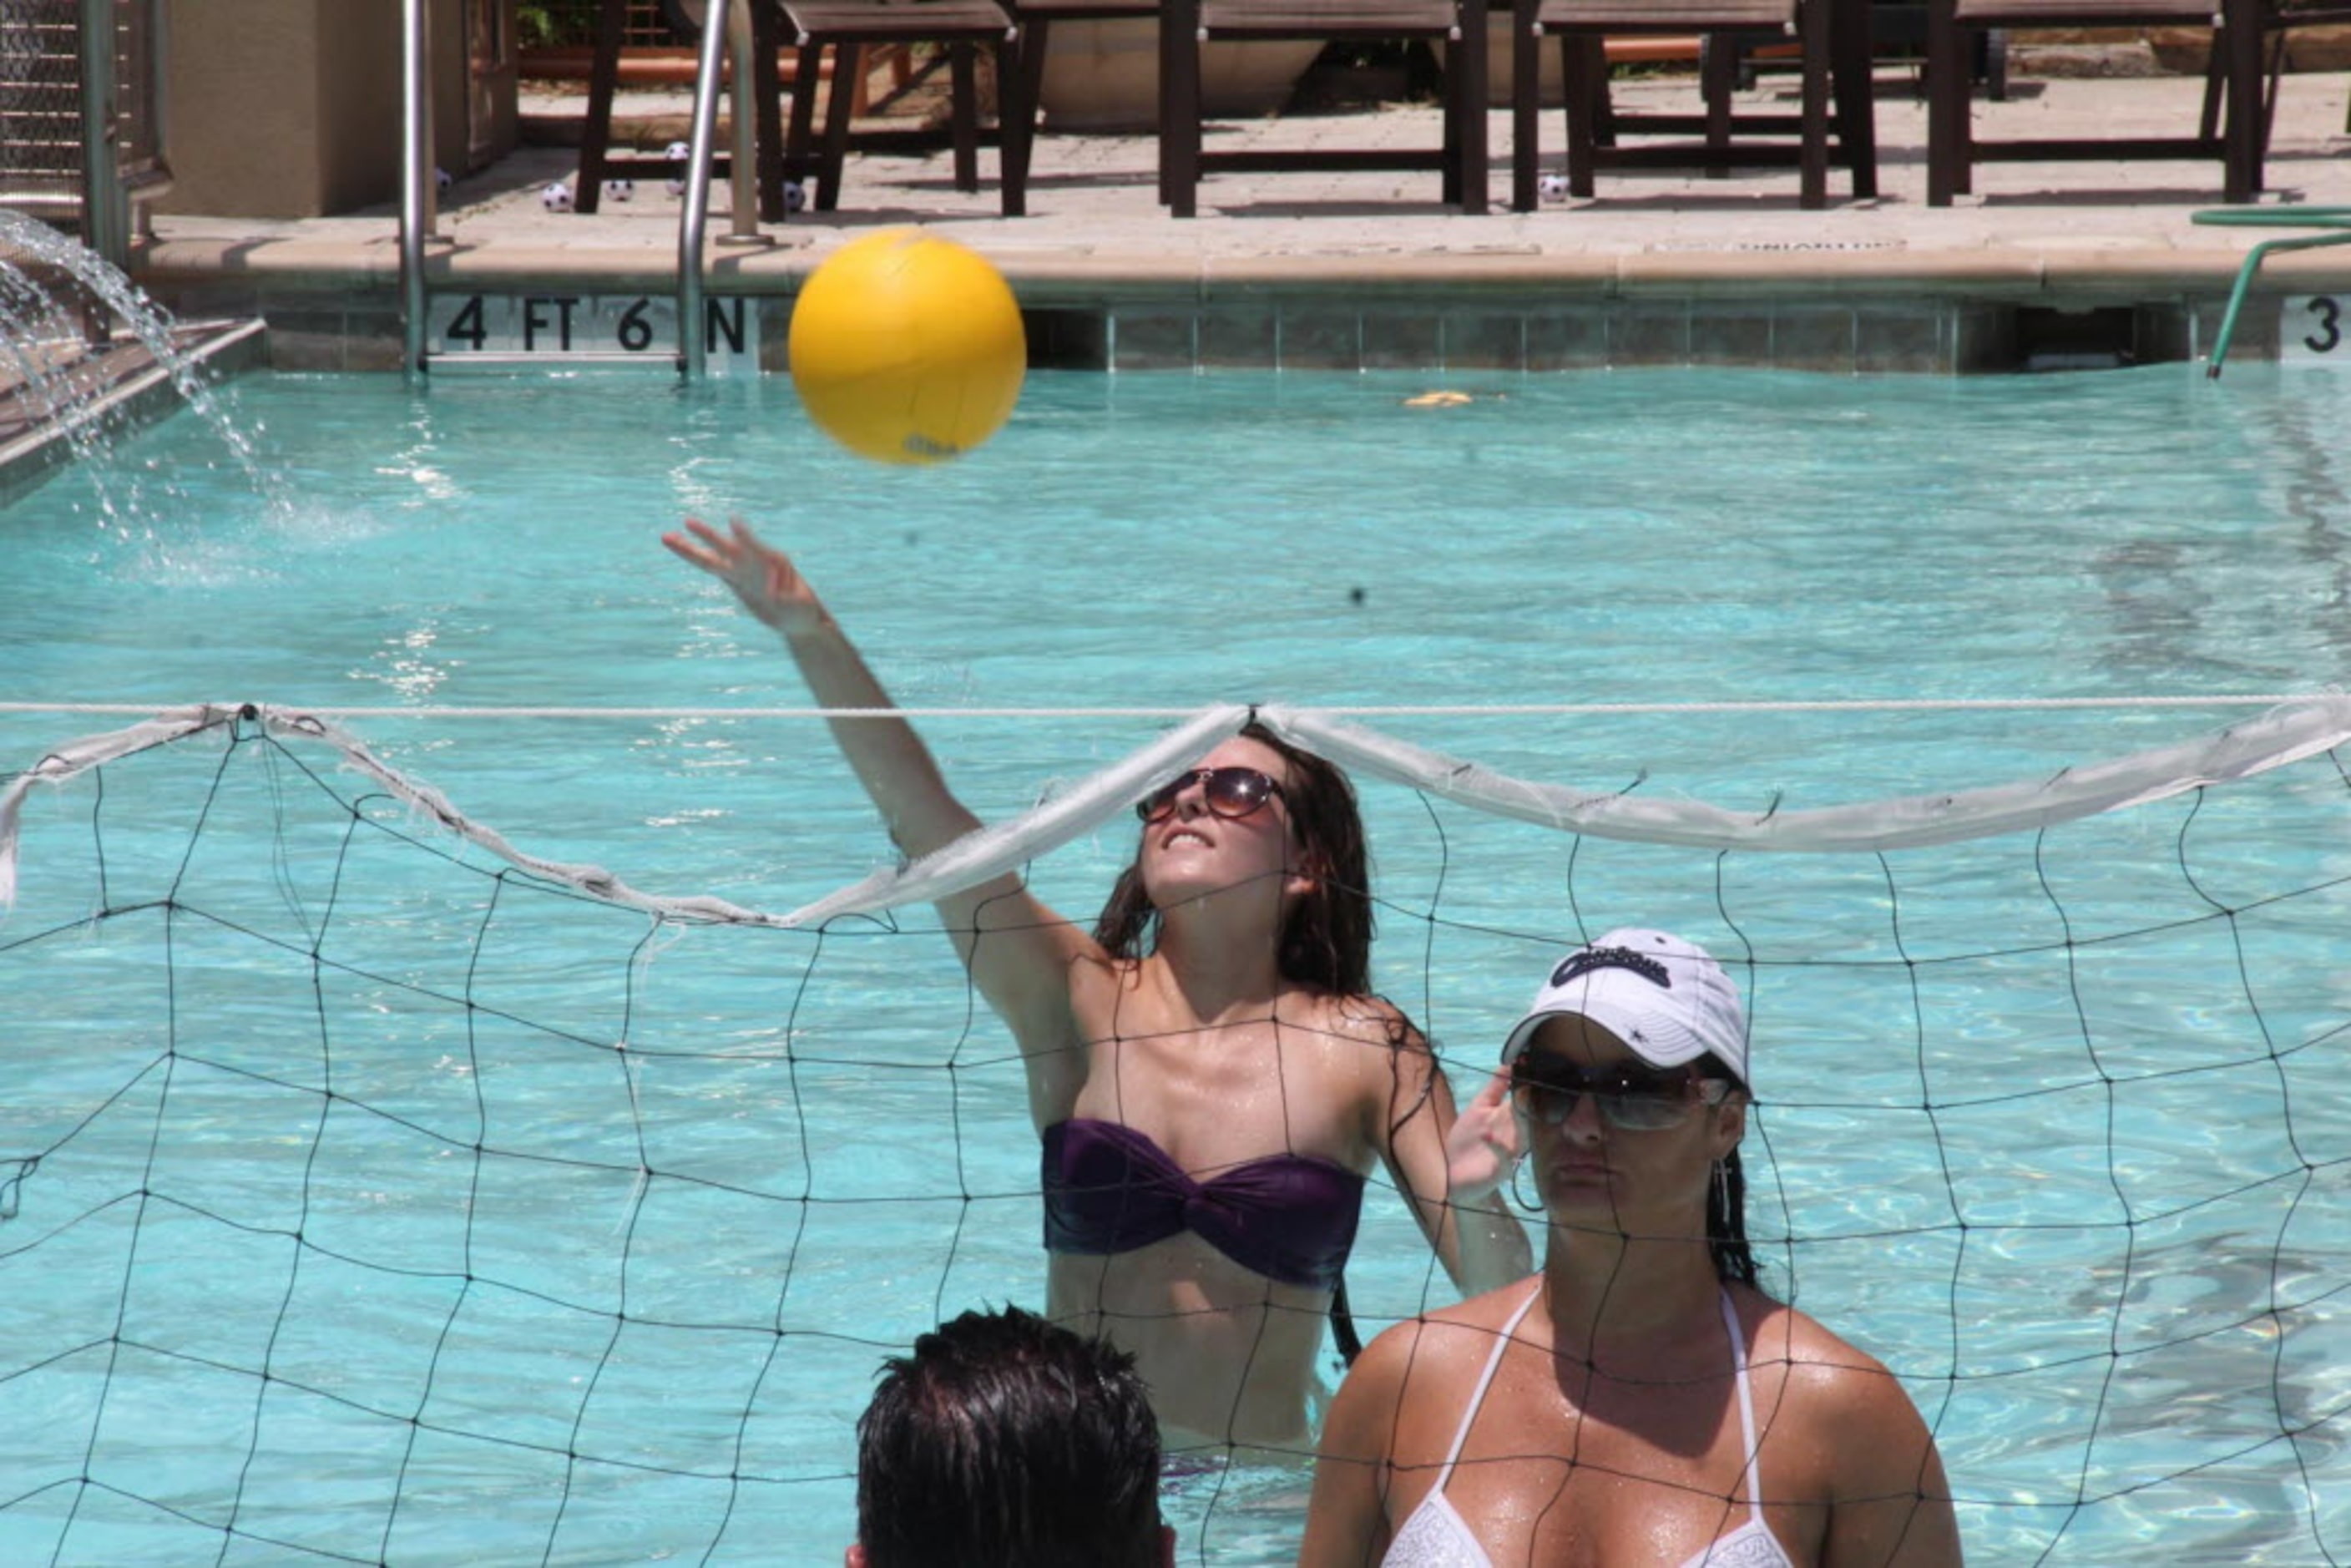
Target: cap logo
1586, 960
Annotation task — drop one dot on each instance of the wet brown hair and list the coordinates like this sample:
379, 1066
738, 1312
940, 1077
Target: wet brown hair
1326, 942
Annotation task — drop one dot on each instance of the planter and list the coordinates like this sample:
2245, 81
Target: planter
1640, 48
1103, 75
2185, 49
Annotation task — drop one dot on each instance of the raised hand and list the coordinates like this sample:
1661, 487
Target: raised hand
1483, 1148
762, 576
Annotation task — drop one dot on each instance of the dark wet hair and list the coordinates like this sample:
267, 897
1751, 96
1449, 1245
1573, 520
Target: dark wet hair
1326, 943
1726, 1200
1006, 1441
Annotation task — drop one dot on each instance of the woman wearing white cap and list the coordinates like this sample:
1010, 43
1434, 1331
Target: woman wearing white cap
1640, 1401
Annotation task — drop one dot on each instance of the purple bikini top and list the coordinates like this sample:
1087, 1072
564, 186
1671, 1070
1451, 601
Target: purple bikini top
1109, 1188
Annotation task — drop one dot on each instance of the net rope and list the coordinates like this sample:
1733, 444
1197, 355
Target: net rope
374, 1189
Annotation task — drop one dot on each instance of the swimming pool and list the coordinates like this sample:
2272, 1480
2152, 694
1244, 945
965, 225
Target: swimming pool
2035, 1165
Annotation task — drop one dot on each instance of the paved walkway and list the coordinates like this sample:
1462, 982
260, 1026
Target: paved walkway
1094, 219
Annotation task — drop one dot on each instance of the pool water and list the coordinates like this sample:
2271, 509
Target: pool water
353, 1236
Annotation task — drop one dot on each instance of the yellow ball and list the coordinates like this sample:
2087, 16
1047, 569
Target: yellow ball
907, 348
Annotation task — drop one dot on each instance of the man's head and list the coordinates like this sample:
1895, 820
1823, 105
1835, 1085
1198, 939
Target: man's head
1004, 1441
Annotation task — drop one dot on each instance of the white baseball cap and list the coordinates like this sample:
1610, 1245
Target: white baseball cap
1665, 998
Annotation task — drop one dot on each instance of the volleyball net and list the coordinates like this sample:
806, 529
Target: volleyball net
377, 1187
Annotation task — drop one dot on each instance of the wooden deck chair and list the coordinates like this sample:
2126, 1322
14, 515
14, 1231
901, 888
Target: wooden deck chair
598, 162
1457, 27
2279, 19
848, 28
1836, 122
1953, 150
1020, 95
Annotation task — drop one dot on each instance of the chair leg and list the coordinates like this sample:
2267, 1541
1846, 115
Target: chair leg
1466, 82
1526, 113
1448, 159
1021, 67
2269, 100
1586, 74
1179, 107
1717, 76
800, 137
2208, 120
768, 114
848, 59
1813, 178
1604, 103
603, 83
2240, 33
1854, 95
963, 112
1949, 88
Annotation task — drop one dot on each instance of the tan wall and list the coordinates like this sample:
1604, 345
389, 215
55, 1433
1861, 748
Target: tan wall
292, 109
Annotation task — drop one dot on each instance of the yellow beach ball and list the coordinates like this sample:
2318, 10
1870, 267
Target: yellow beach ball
907, 348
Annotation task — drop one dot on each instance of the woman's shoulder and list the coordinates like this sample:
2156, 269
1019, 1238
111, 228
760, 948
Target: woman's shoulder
1781, 1333
1464, 1332
1837, 1379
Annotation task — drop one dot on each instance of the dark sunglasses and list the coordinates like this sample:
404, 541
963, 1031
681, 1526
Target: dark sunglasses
1632, 1097
1229, 792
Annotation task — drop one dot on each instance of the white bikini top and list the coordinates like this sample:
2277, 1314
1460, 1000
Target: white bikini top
1437, 1536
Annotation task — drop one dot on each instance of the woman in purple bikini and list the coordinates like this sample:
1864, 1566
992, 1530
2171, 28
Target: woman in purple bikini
1211, 1076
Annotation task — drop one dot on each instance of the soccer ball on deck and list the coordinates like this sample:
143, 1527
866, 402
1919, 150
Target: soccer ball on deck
556, 198
795, 195
1551, 187
442, 181
619, 190
678, 155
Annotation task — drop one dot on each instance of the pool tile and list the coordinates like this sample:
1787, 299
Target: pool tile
1731, 334
1899, 339
1242, 338
1484, 341
1983, 339
1403, 339
1322, 340
1154, 340
1645, 333
1813, 338
1567, 339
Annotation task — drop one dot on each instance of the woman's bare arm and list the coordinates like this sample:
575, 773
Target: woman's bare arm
1019, 953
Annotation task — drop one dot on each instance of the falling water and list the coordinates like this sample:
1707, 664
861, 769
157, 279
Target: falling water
58, 380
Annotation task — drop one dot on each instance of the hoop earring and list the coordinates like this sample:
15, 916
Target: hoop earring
1516, 1195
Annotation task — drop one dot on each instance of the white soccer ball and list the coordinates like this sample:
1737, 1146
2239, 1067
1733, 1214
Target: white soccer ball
795, 195
441, 179
619, 190
678, 152
1551, 187
556, 198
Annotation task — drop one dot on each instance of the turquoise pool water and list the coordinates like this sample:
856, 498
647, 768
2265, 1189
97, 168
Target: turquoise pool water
2041, 1130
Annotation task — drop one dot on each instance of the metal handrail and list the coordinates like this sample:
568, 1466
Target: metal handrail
2334, 219
415, 163
695, 212
106, 201
416, 187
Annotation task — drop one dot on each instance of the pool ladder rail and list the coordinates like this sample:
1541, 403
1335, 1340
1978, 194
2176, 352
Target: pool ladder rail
2336, 221
418, 218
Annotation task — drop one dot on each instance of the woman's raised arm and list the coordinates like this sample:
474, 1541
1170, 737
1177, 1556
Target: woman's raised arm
1019, 953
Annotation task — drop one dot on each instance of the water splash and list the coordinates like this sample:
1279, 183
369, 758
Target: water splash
80, 343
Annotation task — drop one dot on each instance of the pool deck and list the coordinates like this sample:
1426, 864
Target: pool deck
2067, 236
